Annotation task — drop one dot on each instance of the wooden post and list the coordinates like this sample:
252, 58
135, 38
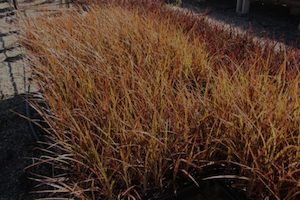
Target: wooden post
296, 12
242, 6
238, 5
246, 6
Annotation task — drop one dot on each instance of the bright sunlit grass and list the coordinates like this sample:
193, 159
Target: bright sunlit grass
142, 99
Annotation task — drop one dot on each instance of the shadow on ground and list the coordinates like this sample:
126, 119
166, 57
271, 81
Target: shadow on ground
16, 148
263, 20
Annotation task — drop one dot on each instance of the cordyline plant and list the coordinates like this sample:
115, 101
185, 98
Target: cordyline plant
144, 98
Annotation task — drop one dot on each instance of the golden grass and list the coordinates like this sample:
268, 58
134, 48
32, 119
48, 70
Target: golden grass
140, 100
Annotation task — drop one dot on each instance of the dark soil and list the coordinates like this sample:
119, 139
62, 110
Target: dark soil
212, 190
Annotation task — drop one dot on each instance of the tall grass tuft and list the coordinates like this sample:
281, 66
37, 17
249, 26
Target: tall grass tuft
146, 99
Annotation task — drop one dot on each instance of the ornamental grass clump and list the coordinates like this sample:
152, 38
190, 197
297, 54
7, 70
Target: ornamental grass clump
141, 103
